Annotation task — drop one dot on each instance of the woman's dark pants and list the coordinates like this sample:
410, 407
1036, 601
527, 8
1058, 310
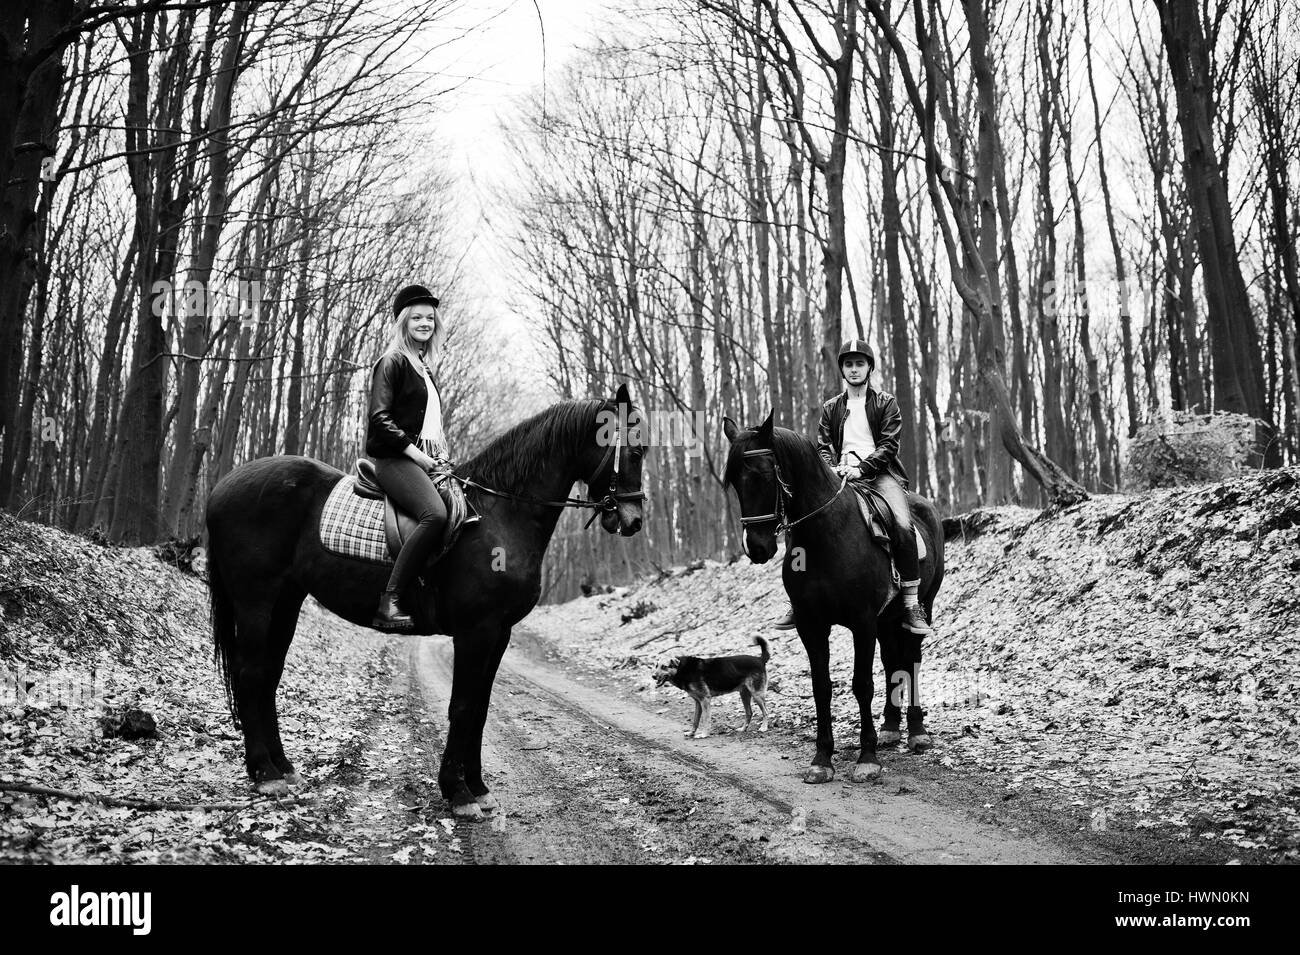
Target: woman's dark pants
412, 491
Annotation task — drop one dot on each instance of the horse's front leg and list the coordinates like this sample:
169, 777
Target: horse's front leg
472, 652
867, 768
474, 749
816, 641
889, 635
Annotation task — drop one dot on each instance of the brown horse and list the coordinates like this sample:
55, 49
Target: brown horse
266, 556
834, 573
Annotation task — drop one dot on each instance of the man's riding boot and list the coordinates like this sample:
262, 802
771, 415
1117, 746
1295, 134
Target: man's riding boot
914, 620
390, 616
786, 622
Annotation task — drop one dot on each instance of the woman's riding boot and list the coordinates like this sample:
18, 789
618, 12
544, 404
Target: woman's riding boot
413, 559
390, 616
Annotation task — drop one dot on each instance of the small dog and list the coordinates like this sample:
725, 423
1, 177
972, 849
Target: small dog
706, 677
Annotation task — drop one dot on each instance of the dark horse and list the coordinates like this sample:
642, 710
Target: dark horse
265, 557
835, 573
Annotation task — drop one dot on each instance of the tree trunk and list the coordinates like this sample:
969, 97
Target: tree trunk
1234, 340
29, 112
1125, 315
895, 305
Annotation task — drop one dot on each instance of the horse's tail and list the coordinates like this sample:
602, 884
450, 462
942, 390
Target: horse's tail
223, 629
761, 643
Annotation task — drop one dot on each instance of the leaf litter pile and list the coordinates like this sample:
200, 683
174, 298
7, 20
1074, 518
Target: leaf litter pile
116, 744
1136, 657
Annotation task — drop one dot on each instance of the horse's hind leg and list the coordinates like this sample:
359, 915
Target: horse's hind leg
284, 623
918, 739
890, 660
254, 687
867, 767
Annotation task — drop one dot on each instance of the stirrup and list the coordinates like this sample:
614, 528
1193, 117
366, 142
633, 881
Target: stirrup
472, 516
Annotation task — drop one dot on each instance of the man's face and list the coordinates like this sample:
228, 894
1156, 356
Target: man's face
855, 369
422, 321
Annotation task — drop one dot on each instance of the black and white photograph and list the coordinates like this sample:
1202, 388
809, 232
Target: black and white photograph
651, 432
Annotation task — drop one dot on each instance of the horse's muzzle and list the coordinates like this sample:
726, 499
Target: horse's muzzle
759, 548
625, 520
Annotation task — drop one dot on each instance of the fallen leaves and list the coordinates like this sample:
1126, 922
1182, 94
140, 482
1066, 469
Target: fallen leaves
95, 639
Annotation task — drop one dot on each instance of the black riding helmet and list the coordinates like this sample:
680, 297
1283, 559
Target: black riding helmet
855, 346
413, 294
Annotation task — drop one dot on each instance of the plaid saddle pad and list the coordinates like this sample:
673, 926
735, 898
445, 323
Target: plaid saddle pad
353, 526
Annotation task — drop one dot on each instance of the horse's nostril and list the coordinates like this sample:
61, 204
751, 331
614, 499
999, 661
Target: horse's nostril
636, 524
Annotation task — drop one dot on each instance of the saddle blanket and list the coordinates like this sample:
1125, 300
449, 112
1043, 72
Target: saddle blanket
353, 526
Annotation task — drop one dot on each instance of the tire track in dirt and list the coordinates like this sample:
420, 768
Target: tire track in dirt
393, 810
846, 822
576, 789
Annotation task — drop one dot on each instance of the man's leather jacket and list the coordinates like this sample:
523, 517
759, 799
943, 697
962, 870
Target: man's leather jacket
397, 399
886, 422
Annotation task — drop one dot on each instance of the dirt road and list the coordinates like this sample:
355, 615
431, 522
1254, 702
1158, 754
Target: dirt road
586, 774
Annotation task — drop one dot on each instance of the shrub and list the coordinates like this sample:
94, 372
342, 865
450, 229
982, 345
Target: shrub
1189, 448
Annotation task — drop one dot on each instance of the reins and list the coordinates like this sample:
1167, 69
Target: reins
782, 492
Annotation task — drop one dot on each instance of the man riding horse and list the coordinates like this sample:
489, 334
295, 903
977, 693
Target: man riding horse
858, 436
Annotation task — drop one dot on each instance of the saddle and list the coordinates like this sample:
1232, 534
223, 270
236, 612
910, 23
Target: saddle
876, 527
399, 525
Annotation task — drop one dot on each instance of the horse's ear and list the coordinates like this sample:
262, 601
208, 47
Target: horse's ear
730, 428
621, 397
765, 430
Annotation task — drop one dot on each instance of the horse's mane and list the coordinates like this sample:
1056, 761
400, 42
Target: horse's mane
514, 459
791, 447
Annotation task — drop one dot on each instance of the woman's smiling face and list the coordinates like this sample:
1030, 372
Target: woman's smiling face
422, 322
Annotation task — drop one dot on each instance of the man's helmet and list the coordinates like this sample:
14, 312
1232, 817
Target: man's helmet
856, 346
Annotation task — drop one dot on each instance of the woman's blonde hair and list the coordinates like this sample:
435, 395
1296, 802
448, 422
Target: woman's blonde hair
400, 341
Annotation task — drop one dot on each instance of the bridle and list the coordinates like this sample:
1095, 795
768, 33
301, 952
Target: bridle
782, 492
608, 503
613, 495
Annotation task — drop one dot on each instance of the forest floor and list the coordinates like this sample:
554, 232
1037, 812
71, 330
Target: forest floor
1115, 683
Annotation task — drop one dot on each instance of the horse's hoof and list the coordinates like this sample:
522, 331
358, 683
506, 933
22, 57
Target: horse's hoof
488, 802
864, 772
819, 774
272, 787
920, 742
469, 810
294, 778
888, 738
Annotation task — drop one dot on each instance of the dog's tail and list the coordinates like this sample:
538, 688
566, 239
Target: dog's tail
761, 643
